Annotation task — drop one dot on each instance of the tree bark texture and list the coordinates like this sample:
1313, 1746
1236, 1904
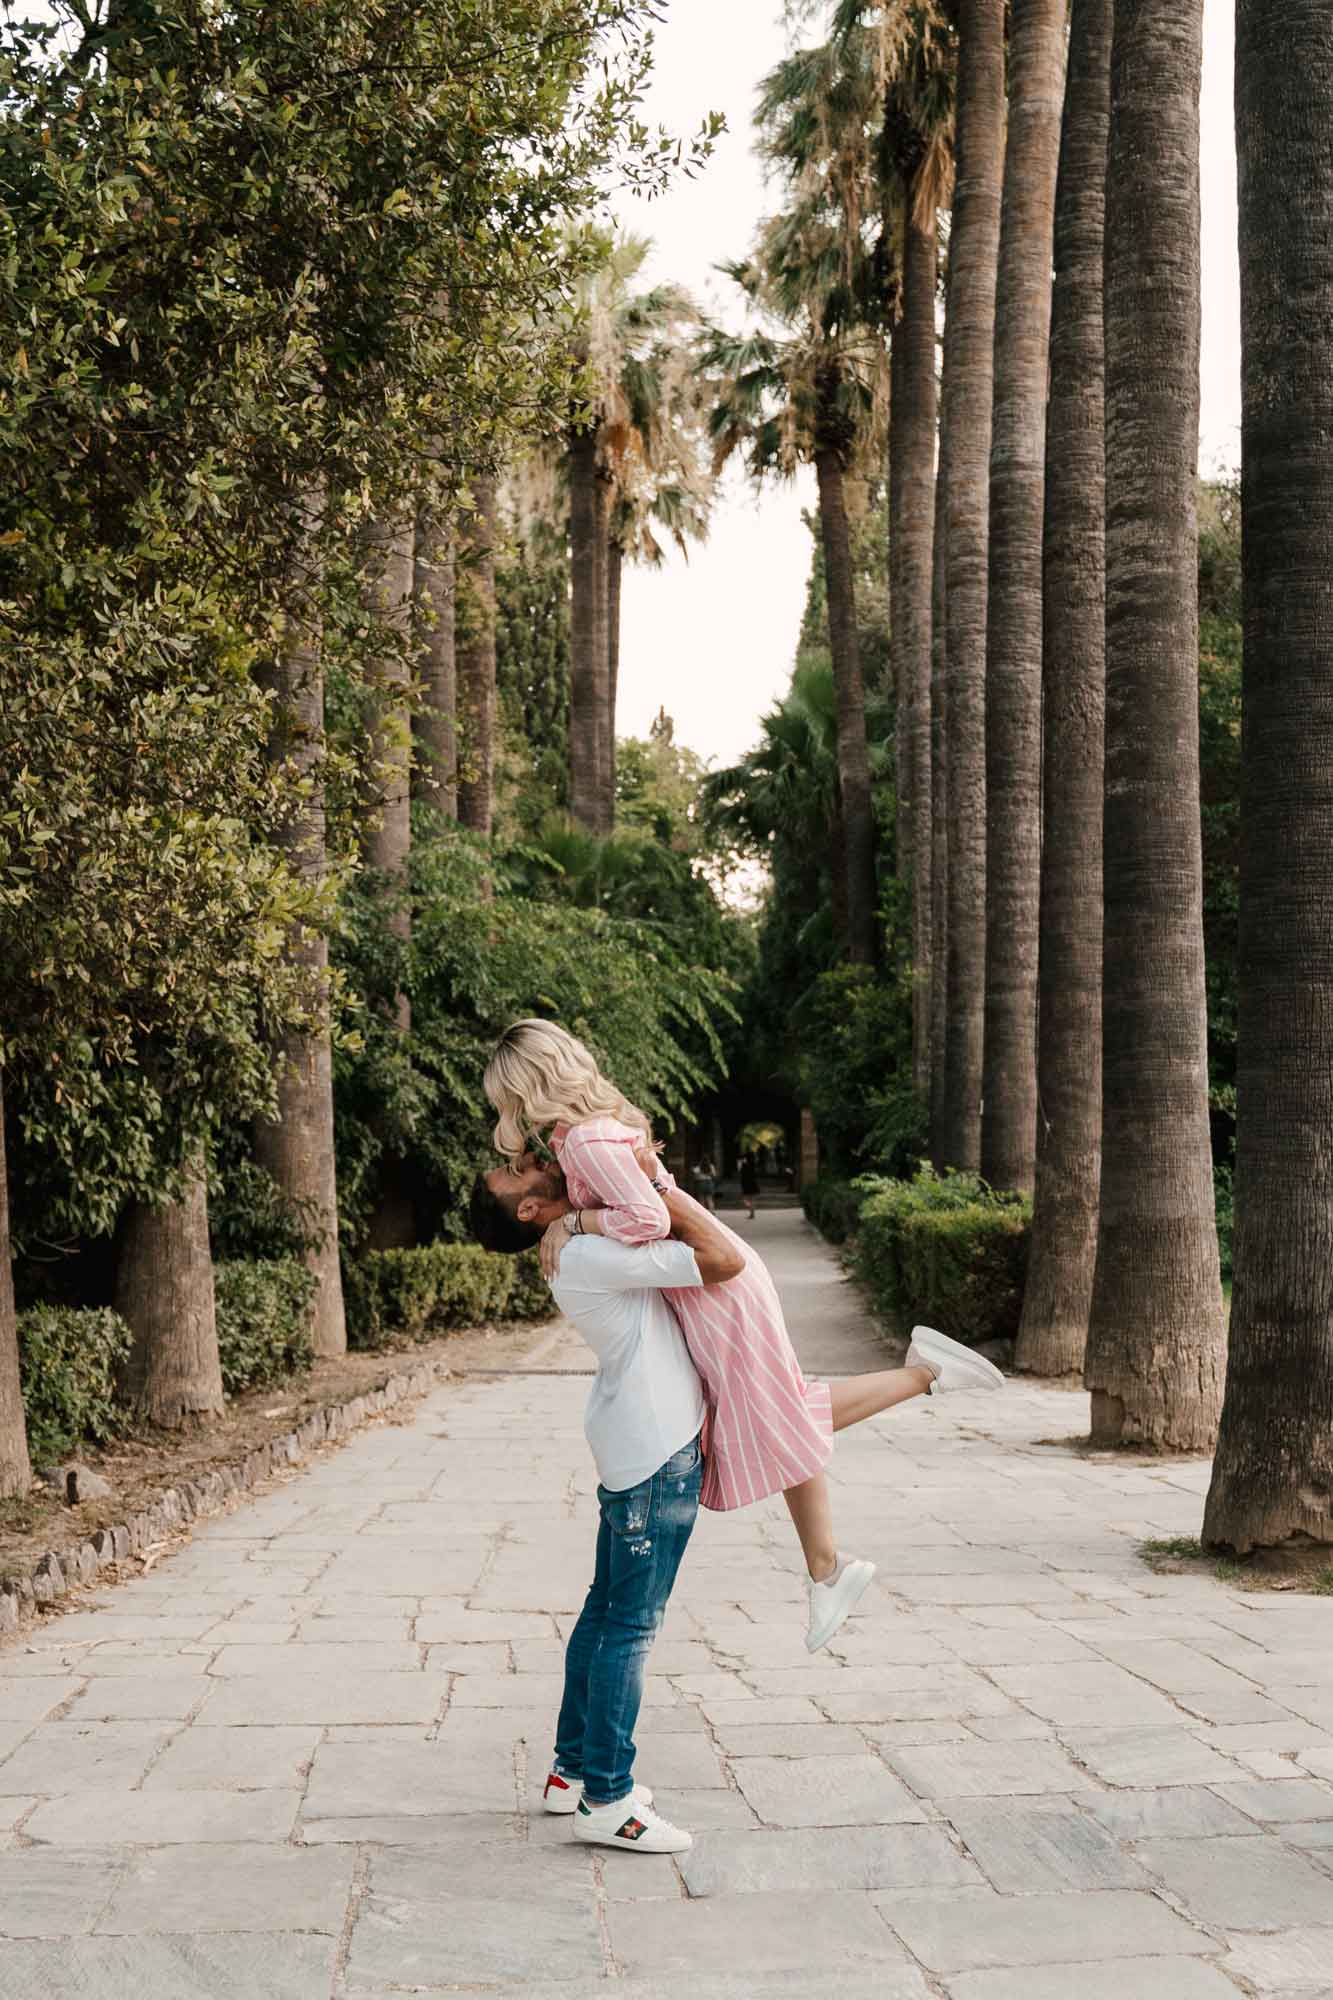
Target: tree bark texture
939, 818
911, 548
15, 1469
388, 842
297, 1150
604, 809
858, 813
476, 657
584, 660
1056, 1299
435, 726
1155, 1337
615, 566
164, 1293
966, 393
1273, 1473
1013, 618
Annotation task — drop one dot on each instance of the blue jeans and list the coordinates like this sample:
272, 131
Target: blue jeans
641, 1538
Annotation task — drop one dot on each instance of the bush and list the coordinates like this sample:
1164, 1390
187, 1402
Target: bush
263, 1316
946, 1249
251, 1219
833, 1206
68, 1361
1225, 1203
394, 1295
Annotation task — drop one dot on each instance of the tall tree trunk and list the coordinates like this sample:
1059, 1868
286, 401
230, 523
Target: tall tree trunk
1273, 1474
615, 564
966, 394
1155, 1338
435, 726
939, 817
1013, 619
164, 1293
476, 658
388, 841
605, 809
1058, 1294
298, 1150
858, 813
911, 548
15, 1469
584, 658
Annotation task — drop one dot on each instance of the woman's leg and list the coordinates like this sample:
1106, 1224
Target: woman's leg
860, 1396
812, 1517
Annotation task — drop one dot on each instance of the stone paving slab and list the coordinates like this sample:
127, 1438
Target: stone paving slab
302, 1759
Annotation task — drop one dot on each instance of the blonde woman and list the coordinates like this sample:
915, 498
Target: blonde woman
769, 1430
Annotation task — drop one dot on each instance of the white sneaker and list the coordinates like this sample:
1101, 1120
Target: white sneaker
563, 1795
953, 1365
831, 1601
631, 1825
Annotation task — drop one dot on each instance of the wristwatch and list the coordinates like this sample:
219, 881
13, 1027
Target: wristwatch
573, 1221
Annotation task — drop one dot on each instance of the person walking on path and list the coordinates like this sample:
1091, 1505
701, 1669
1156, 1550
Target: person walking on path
643, 1419
769, 1430
749, 1182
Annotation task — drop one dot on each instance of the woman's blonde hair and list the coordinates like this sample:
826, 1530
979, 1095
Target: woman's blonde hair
540, 1076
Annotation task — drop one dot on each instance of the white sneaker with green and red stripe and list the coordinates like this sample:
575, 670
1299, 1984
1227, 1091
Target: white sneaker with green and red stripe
630, 1825
564, 1795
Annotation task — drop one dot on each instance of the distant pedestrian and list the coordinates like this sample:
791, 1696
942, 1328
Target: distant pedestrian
705, 1180
749, 1182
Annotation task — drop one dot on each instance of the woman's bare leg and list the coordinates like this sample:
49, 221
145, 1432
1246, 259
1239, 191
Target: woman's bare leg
812, 1517
861, 1396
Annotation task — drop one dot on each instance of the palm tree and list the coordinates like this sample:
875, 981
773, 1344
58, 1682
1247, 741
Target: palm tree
1155, 1337
388, 838
435, 722
1273, 1472
965, 423
164, 1293
1058, 1292
1013, 621
939, 819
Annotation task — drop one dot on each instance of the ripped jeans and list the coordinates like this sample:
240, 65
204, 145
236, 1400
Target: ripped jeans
640, 1540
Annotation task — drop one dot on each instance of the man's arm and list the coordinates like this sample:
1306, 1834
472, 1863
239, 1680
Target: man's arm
714, 1252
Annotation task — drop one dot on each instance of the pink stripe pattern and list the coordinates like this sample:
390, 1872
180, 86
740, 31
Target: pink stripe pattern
768, 1428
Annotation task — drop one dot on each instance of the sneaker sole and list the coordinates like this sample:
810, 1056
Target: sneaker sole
681, 1846
945, 1352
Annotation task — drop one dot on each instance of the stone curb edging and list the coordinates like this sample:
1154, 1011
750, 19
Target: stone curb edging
193, 1499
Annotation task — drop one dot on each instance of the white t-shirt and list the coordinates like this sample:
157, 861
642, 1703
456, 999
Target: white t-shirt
646, 1402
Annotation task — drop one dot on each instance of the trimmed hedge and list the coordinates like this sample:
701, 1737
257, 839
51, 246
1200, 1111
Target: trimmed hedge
948, 1250
396, 1295
263, 1316
833, 1206
67, 1363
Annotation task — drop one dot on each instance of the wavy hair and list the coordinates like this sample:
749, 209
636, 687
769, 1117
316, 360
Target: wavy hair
540, 1076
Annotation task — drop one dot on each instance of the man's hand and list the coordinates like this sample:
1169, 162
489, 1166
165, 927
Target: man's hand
649, 1161
548, 1250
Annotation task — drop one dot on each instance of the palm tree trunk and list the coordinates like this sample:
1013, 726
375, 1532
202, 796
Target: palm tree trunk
605, 807
297, 1150
858, 814
584, 658
1273, 1474
1058, 1294
911, 538
1155, 1337
388, 841
435, 726
476, 659
1013, 621
615, 564
15, 1468
939, 816
164, 1293
966, 395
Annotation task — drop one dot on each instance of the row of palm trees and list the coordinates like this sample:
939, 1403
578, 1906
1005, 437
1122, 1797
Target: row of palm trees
1043, 585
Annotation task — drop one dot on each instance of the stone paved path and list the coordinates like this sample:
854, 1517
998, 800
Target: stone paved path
300, 1759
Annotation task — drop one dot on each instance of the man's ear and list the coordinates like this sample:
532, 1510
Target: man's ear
530, 1208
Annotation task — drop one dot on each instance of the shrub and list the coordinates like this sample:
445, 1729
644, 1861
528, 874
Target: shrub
394, 1295
263, 1315
68, 1361
833, 1206
946, 1249
250, 1218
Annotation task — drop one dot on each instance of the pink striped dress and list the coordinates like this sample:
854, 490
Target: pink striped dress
768, 1428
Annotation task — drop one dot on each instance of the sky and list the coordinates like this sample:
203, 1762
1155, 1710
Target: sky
711, 639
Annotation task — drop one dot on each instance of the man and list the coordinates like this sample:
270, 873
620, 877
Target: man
643, 1419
